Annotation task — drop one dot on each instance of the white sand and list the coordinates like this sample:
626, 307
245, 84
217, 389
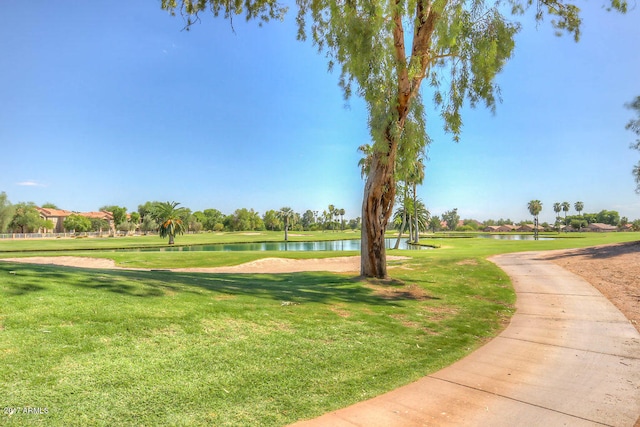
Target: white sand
264, 265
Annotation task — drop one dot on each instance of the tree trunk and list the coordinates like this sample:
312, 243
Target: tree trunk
377, 205
404, 222
380, 189
171, 239
415, 213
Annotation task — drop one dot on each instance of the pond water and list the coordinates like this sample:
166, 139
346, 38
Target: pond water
514, 237
329, 245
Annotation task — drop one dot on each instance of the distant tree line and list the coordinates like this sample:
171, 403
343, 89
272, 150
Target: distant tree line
450, 220
411, 214
582, 220
25, 218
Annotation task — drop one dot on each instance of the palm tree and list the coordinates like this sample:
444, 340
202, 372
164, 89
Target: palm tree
535, 207
415, 177
169, 216
557, 207
565, 208
285, 214
399, 217
332, 213
579, 206
422, 216
401, 213
326, 216
409, 174
342, 212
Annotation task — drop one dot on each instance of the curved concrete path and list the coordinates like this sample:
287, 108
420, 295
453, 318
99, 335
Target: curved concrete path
568, 358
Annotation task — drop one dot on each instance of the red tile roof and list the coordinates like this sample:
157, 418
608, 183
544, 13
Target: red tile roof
99, 215
53, 213
49, 213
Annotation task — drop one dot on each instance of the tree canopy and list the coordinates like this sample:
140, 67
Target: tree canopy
119, 213
6, 212
77, 223
263, 10
535, 207
451, 218
169, 217
26, 219
286, 214
634, 126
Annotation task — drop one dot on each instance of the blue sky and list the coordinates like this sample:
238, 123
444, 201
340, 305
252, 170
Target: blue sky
117, 105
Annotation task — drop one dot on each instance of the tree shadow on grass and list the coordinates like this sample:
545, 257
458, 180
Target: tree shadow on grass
23, 288
17, 280
598, 252
319, 287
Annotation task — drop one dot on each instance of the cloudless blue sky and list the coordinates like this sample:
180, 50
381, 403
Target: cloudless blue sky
107, 103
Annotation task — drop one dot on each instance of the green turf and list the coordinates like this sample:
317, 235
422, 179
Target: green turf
105, 347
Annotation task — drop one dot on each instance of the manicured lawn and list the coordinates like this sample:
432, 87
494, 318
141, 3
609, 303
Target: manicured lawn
108, 347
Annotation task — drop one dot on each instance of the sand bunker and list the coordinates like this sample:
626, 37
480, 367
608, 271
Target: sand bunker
67, 261
264, 265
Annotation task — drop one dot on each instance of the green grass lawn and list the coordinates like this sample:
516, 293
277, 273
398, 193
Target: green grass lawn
117, 347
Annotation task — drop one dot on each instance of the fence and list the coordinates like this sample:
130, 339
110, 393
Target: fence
67, 235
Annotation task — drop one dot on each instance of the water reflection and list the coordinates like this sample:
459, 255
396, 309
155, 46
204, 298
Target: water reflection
329, 245
514, 237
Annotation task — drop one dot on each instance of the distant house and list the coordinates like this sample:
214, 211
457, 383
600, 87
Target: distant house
626, 227
529, 228
56, 216
107, 216
598, 226
506, 228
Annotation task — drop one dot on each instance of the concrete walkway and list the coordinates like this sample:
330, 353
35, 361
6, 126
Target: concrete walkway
568, 358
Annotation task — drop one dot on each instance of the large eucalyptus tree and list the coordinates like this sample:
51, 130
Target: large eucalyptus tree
385, 50
634, 126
